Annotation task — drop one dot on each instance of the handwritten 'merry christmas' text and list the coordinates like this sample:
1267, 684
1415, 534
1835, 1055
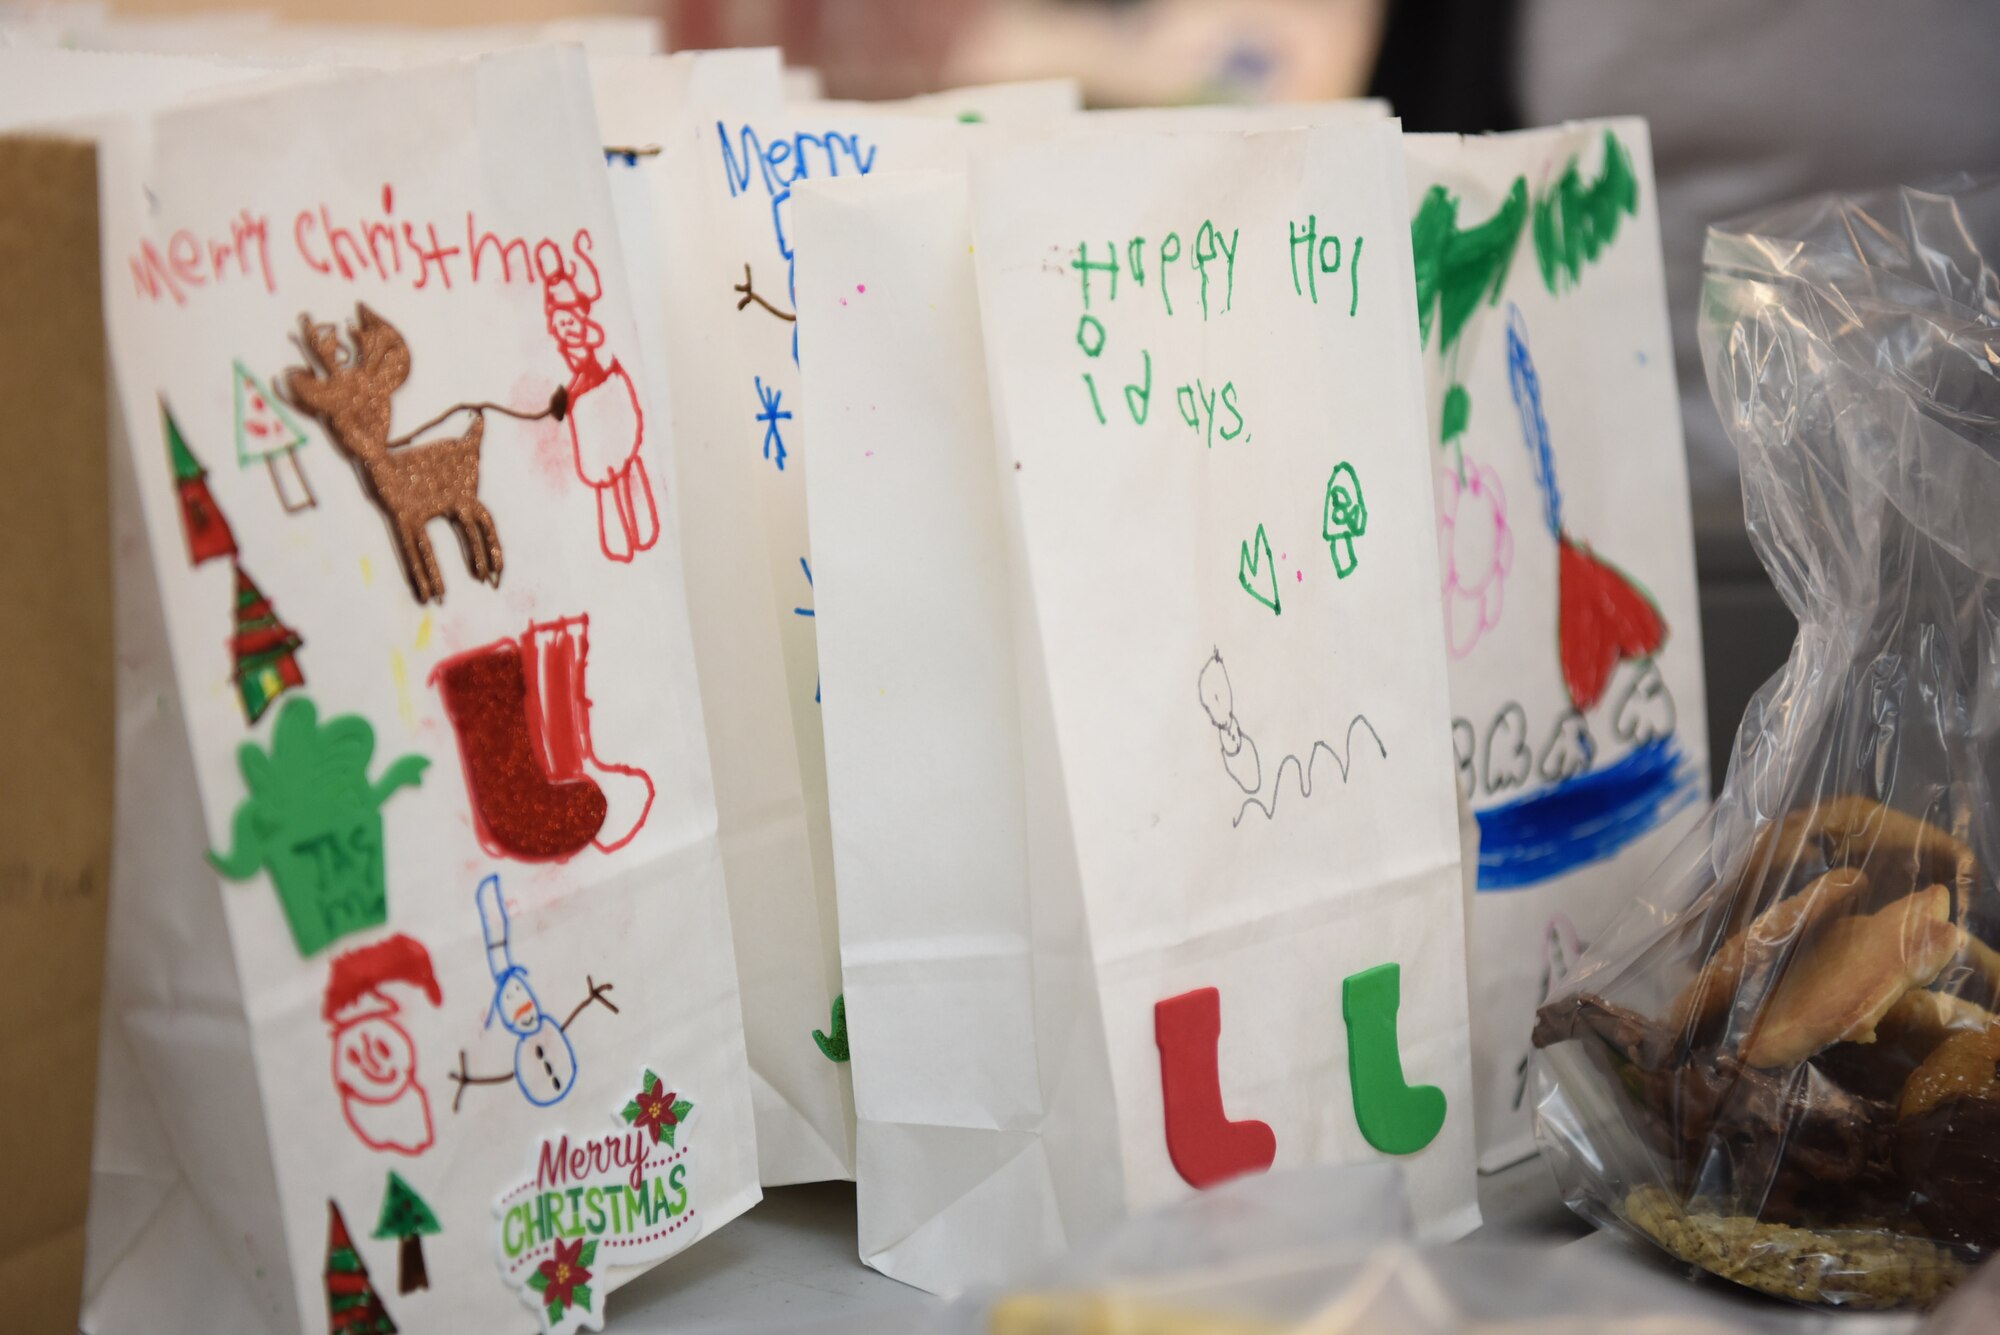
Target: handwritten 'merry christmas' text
386, 250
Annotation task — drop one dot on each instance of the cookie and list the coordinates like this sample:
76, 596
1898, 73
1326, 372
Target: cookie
1962, 1066
1864, 1268
1750, 952
1838, 988
1896, 848
1910, 1031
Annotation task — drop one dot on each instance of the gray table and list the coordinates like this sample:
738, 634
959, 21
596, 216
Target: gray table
793, 1259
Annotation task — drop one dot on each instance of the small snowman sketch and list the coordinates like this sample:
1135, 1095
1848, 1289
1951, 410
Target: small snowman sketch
544, 1060
1239, 753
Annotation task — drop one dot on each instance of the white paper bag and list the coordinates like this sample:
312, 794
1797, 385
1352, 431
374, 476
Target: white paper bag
452, 1042
1044, 867
800, 1098
1019, 101
1566, 554
788, 941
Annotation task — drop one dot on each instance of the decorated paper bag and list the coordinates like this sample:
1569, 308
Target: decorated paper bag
679, 106
421, 1008
1092, 978
785, 919
1565, 551
923, 740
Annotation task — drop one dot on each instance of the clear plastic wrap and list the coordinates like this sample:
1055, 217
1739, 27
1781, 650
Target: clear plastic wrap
1782, 1062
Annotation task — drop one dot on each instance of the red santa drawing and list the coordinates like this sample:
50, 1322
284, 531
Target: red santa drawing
606, 424
374, 1060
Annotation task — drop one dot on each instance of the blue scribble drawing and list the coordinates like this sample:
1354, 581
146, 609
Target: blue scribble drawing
1527, 387
806, 566
770, 415
1585, 818
808, 612
1603, 616
544, 1060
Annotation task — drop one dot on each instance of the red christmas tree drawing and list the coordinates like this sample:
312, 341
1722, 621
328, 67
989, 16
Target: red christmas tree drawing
265, 650
352, 1305
208, 534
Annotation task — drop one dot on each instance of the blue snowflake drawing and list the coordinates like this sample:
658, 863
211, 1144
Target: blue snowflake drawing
770, 416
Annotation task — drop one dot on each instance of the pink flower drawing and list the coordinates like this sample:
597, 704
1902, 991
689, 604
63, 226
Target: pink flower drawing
1475, 552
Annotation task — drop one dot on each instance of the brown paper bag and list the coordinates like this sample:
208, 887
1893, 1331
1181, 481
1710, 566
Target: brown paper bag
55, 714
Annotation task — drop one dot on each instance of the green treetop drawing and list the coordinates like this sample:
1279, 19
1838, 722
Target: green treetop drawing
406, 1217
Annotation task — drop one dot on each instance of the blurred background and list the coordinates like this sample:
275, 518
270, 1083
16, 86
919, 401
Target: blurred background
1750, 101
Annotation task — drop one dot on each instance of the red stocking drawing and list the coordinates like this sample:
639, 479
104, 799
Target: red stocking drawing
519, 808
554, 656
1205, 1146
606, 423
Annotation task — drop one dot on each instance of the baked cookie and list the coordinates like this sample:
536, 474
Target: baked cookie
1867, 1268
1838, 988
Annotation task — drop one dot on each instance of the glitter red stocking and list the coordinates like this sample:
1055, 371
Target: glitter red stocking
520, 808
555, 654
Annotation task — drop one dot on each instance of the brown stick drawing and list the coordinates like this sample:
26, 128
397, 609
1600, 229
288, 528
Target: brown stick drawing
749, 291
291, 507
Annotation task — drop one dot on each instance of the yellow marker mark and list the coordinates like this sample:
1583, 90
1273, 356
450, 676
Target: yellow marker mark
367, 571
424, 633
401, 674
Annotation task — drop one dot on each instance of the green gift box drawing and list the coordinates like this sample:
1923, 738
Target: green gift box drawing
313, 820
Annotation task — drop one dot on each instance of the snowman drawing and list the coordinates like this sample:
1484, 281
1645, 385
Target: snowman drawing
544, 1059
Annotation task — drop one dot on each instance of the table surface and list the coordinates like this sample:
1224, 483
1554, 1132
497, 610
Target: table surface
792, 1260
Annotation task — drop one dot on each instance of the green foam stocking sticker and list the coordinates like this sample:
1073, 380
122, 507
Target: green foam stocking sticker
1395, 1117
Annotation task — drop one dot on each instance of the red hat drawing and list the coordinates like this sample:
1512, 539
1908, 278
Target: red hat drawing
561, 290
353, 988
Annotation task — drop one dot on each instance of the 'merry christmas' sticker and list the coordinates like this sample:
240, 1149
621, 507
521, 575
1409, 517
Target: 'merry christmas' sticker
622, 1198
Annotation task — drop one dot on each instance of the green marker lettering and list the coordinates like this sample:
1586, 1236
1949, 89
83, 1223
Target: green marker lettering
1139, 399
1083, 264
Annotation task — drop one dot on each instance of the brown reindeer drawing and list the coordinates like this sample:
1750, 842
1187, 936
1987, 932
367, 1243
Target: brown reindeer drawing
349, 390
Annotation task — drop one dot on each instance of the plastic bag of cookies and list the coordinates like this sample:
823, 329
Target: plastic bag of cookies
1782, 1063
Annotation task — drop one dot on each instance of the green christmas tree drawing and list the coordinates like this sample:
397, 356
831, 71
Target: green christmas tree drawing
407, 1217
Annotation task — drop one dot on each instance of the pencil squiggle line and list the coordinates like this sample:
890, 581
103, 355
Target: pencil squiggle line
1305, 770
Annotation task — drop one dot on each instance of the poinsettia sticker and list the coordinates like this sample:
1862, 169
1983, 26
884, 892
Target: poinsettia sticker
656, 1109
617, 1199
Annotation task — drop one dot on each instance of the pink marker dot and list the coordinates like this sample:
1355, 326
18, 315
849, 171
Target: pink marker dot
861, 287
843, 301
1302, 576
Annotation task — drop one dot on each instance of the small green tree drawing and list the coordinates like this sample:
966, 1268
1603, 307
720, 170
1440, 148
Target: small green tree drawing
314, 820
407, 1217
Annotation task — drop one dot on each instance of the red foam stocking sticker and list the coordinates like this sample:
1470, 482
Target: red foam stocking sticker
1603, 619
520, 809
1204, 1144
